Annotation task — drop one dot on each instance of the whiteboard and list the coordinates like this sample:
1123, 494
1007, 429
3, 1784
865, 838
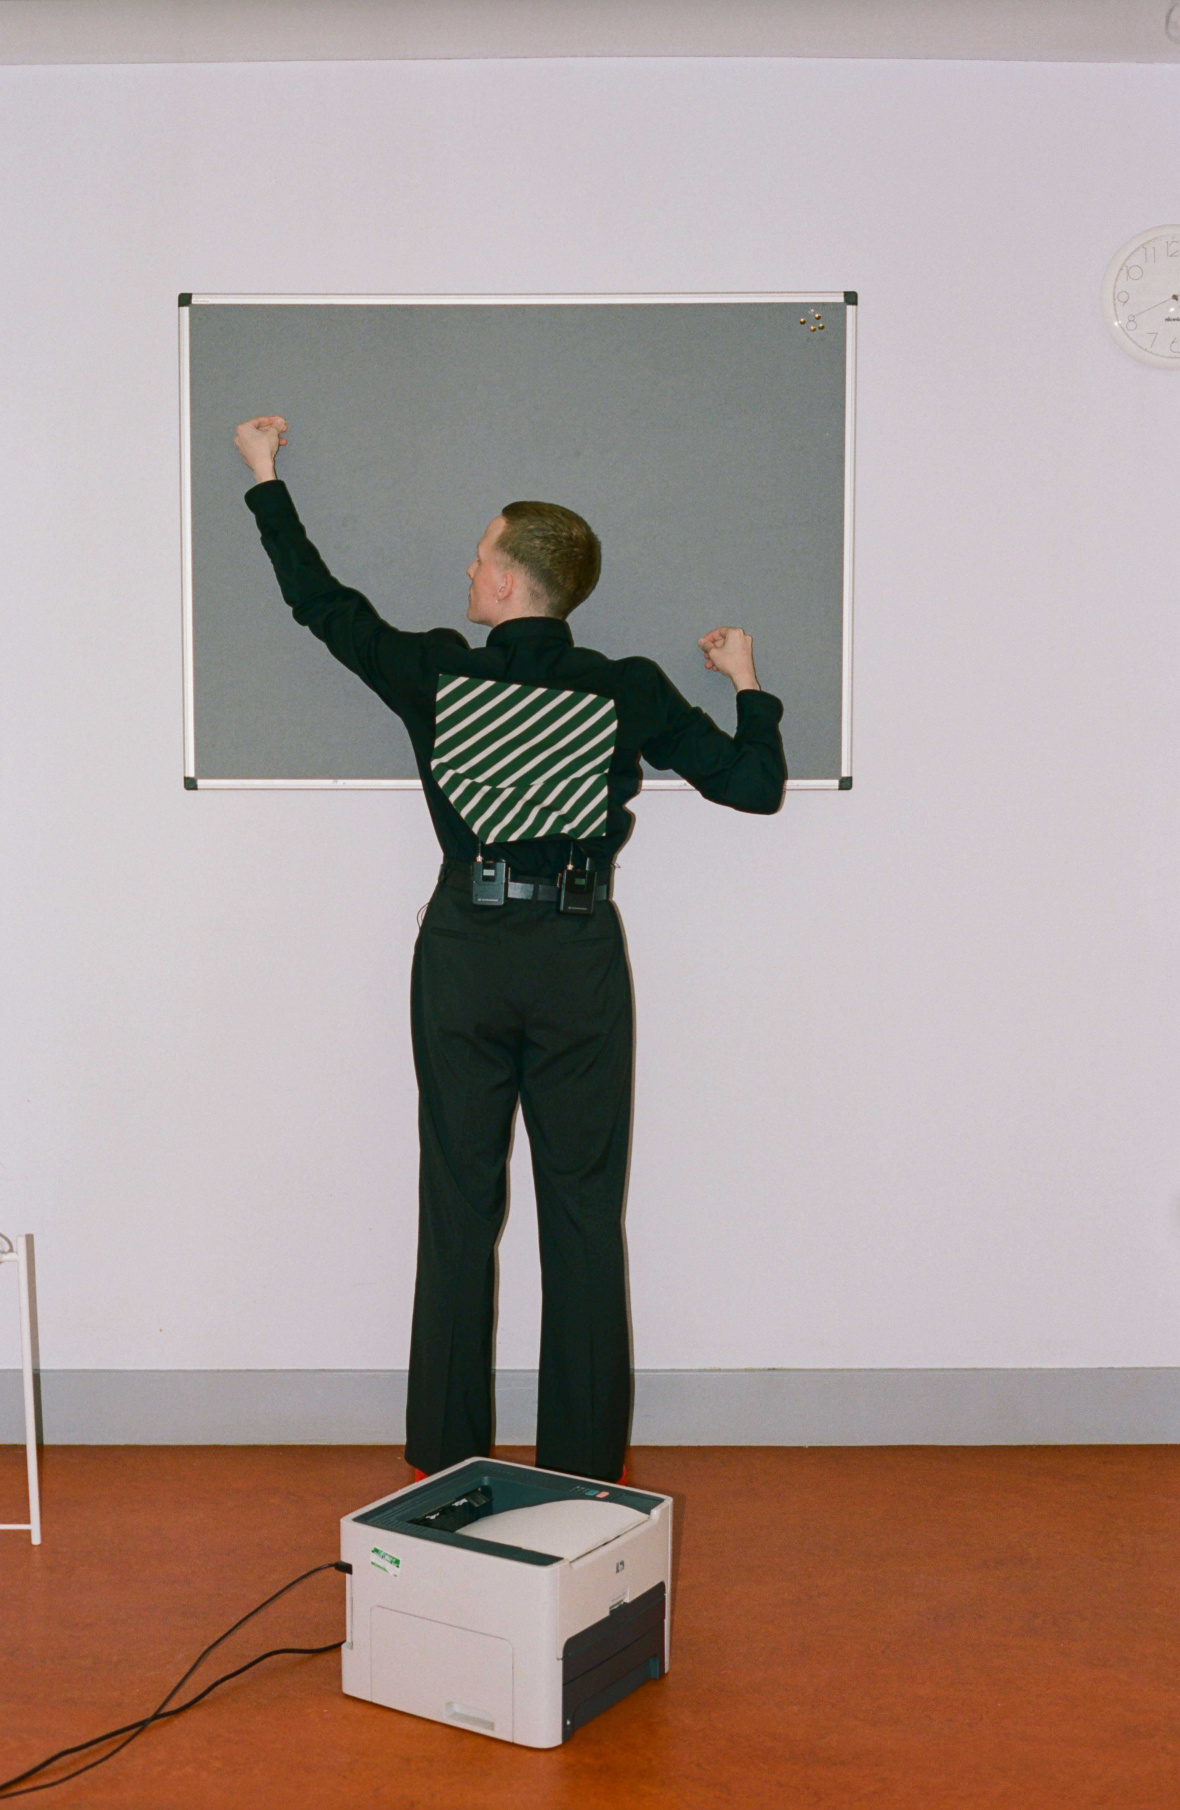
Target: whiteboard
708, 439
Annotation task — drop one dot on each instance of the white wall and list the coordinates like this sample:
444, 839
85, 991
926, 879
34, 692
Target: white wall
908, 1065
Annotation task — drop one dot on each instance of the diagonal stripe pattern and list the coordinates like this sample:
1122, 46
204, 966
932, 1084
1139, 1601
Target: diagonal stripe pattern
520, 761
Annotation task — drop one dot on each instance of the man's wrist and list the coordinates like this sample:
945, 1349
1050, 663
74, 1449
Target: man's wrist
745, 682
263, 476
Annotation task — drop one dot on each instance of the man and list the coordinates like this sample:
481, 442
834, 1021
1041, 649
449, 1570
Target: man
529, 749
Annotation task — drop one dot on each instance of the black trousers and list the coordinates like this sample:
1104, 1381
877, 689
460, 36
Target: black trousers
518, 1002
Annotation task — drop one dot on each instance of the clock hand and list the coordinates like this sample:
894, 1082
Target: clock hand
1140, 312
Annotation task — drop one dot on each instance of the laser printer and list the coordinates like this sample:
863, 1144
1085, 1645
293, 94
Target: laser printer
506, 1600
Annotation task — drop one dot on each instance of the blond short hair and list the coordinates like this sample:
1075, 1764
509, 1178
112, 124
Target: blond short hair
559, 551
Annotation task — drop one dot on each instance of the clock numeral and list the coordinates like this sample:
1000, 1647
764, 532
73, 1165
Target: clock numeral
1174, 348
1132, 324
1124, 295
1151, 339
1135, 272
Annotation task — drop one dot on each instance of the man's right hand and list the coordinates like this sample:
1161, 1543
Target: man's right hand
258, 441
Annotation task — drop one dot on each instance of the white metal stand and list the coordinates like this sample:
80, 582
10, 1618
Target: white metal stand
22, 1256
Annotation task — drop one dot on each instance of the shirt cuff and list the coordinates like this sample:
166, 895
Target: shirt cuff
270, 503
754, 704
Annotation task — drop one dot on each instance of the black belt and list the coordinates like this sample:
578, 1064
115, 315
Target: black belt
460, 874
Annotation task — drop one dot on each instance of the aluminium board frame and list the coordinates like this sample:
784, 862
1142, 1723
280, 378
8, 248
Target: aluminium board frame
800, 297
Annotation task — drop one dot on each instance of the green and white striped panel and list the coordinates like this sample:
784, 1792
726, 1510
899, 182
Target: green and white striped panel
519, 761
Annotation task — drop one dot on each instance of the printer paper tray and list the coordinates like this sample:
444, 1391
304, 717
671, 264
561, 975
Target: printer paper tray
606, 1661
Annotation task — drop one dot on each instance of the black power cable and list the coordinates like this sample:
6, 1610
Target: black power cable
133, 1729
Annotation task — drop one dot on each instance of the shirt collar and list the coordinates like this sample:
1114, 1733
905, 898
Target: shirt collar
530, 628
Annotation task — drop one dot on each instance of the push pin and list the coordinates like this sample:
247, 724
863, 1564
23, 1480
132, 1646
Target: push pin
802, 320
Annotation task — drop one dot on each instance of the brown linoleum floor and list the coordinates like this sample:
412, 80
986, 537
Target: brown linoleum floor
923, 1628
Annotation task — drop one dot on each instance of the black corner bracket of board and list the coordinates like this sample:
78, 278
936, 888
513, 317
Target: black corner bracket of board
850, 298
185, 299
845, 783
190, 784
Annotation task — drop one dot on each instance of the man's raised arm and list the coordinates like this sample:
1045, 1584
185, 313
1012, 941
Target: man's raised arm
390, 660
747, 770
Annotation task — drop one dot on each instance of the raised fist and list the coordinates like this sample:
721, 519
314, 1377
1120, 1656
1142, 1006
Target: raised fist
731, 651
258, 440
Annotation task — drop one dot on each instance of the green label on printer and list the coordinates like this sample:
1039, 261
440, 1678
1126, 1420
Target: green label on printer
384, 1561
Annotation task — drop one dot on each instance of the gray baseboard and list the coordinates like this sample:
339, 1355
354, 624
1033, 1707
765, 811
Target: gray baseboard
672, 1407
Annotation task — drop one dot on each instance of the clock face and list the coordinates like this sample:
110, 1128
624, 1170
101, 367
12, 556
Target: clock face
1141, 296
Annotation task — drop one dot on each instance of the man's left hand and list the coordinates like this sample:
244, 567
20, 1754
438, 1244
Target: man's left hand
731, 651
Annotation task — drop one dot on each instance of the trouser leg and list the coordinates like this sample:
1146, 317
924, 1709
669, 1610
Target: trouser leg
576, 1079
466, 1053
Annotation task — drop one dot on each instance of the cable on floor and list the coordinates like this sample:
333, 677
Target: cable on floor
132, 1730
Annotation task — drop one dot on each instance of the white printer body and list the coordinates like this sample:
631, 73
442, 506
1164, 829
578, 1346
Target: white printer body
513, 1602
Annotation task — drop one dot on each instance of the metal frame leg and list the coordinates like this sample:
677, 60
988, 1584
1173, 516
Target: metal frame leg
22, 1256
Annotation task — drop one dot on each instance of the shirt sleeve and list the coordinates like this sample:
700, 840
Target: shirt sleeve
396, 663
746, 770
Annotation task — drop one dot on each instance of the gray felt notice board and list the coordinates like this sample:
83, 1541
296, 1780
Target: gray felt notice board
707, 439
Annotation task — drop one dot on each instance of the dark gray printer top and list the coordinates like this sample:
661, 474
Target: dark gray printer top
449, 1508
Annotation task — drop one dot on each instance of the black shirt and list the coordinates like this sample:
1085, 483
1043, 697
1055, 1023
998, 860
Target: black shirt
533, 665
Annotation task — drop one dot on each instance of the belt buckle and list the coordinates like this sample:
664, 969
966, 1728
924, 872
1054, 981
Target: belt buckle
489, 882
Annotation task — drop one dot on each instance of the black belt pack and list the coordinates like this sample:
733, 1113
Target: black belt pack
575, 892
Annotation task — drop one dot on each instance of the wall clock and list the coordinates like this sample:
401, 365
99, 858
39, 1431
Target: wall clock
1141, 296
